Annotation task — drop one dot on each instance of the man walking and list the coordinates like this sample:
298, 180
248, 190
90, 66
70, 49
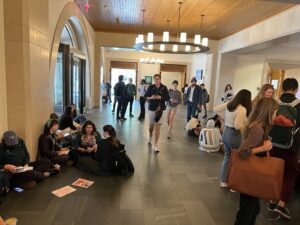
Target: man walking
157, 94
192, 99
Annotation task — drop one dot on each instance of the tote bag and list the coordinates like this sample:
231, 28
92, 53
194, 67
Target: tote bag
260, 177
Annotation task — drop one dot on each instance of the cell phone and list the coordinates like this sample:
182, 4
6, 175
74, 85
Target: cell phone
18, 189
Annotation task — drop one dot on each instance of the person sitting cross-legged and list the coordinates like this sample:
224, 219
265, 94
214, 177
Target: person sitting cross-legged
48, 147
14, 158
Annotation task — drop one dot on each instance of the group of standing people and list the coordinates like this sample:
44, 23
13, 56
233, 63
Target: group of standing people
124, 94
248, 124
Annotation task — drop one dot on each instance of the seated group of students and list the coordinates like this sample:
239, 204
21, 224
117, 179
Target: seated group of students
85, 149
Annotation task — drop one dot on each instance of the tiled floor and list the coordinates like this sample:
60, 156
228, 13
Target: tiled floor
178, 186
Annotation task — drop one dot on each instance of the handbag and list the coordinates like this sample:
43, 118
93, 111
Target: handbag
260, 177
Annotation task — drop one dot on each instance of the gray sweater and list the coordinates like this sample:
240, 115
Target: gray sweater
174, 95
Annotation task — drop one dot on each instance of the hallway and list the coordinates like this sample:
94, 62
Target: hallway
177, 186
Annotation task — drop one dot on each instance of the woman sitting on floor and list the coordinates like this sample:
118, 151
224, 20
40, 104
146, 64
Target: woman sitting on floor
86, 142
110, 158
48, 147
14, 158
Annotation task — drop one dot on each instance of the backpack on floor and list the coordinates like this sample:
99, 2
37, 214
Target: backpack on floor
284, 125
209, 140
4, 183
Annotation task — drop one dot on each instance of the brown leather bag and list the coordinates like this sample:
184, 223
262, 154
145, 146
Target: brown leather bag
260, 177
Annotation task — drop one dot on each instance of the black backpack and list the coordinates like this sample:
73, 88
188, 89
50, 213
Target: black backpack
284, 125
118, 90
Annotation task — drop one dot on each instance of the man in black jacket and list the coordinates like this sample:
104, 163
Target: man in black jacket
290, 156
157, 94
192, 99
120, 93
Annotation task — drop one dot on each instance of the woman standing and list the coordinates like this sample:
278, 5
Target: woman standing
255, 141
236, 113
228, 93
142, 90
175, 100
266, 91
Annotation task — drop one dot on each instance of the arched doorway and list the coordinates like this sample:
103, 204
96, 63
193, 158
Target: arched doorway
71, 78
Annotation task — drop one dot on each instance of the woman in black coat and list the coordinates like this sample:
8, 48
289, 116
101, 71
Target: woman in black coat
110, 157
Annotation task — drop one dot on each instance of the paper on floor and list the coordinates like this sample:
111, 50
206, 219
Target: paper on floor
63, 191
83, 183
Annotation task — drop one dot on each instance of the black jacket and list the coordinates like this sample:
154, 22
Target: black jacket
120, 89
196, 94
106, 155
162, 91
17, 155
65, 122
47, 147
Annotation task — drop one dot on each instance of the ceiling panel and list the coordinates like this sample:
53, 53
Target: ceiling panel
222, 17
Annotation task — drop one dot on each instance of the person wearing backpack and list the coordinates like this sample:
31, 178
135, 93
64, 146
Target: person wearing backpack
203, 99
120, 93
286, 143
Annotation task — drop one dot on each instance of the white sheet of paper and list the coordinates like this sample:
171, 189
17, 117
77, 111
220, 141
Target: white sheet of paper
63, 191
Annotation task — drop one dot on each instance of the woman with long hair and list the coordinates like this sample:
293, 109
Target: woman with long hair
175, 100
228, 93
106, 155
255, 140
266, 91
48, 147
236, 113
86, 141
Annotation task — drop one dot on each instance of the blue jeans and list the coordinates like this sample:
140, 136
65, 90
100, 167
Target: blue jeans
191, 110
232, 140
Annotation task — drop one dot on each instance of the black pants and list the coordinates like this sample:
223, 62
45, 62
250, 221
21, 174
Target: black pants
37, 174
115, 102
142, 103
249, 209
130, 100
122, 106
76, 154
90, 165
60, 159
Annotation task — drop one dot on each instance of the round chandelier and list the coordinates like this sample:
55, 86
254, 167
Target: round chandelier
180, 45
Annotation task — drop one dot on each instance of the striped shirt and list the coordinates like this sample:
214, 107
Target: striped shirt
254, 139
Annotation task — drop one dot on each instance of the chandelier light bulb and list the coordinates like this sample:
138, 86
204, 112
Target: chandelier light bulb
150, 37
150, 47
162, 47
165, 36
136, 40
187, 48
183, 37
175, 48
141, 38
142, 60
197, 39
205, 42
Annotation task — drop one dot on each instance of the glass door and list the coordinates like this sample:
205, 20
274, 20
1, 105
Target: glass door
78, 83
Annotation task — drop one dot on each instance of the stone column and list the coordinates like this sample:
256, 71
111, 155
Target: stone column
27, 68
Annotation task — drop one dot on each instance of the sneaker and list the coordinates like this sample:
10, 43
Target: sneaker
156, 149
283, 211
233, 191
123, 118
271, 206
223, 184
131, 115
150, 141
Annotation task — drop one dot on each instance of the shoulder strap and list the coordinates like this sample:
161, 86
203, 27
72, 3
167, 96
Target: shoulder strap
295, 102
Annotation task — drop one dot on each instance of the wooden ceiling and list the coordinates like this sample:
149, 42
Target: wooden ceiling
222, 17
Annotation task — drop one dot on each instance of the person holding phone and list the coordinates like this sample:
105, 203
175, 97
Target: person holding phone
175, 100
157, 94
